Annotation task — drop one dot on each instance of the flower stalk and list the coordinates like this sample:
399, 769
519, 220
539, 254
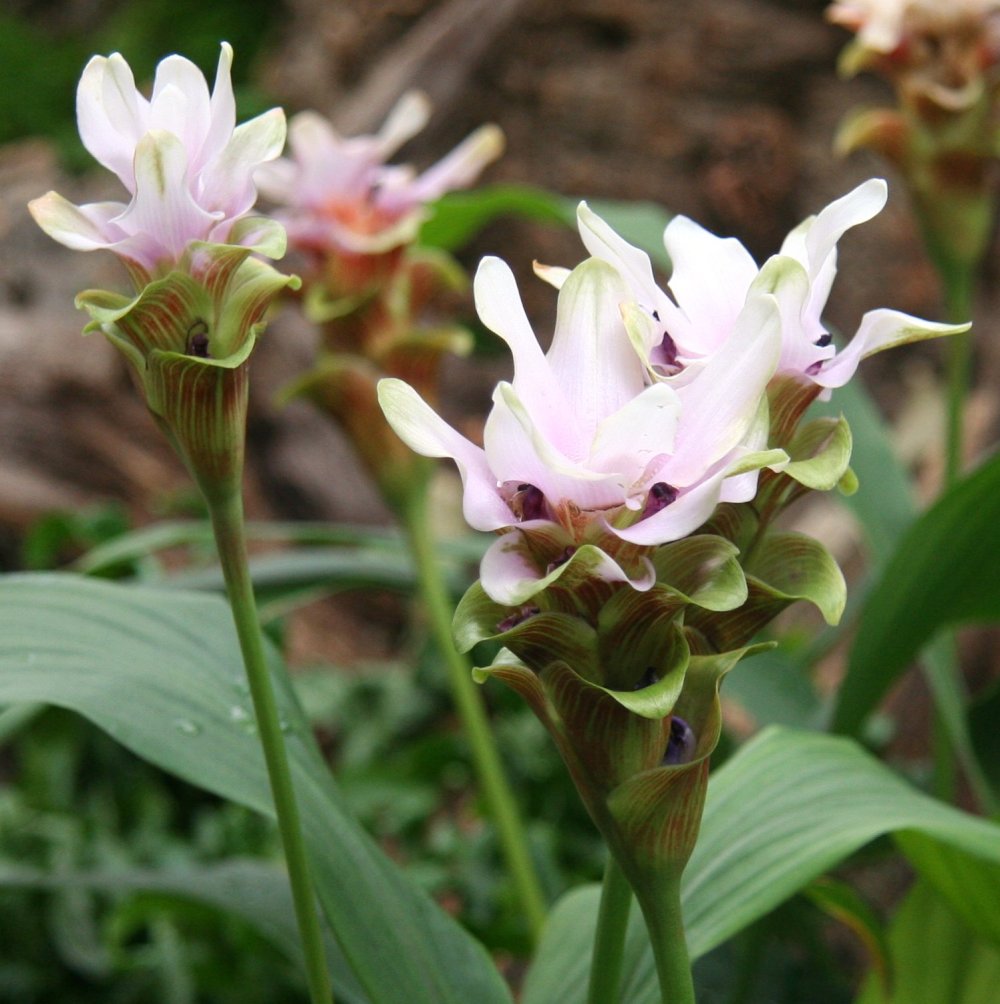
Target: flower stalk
501, 805
609, 937
228, 526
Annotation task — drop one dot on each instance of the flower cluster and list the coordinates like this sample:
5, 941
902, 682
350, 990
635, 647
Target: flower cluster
942, 57
651, 406
186, 237
186, 165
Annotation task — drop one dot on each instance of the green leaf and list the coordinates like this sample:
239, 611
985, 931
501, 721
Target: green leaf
458, 216
943, 572
255, 892
935, 957
787, 807
159, 671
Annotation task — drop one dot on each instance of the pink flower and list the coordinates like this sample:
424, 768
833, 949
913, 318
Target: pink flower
339, 194
580, 449
679, 331
186, 165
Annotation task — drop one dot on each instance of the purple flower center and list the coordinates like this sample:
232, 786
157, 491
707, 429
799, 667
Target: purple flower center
197, 340
560, 559
660, 496
647, 679
528, 502
680, 745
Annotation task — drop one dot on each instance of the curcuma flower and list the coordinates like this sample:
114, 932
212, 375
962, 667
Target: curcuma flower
187, 240
678, 331
187, 166
585, 462
338, 194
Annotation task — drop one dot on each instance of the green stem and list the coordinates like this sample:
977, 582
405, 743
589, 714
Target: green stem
665, 923
609, 938
227, 522
958, 288
499, 799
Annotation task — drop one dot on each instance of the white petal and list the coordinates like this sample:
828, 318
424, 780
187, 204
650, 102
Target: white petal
644, 428
222, 108
710, 280
602, 242
427, 433
180, 103
111, 114
499, 306
554, 275
163, 207
720, 406
591, 356
880, 329
684, 515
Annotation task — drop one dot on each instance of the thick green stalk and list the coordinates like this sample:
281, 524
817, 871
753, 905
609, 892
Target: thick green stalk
496, 790
227, 522
662, 909
609, 938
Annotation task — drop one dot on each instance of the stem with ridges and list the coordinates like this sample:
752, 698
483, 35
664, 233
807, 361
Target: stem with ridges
661, 907
499, 798
609, 938
227, 523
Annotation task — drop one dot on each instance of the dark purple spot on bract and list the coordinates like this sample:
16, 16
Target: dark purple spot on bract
517, 617
681, 744
560, 559
197, 340
824, 339
646, 680
660, 496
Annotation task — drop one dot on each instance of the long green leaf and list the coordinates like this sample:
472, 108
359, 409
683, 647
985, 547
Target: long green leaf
255, 892
159, 670
936, 959
944, 572
787, 807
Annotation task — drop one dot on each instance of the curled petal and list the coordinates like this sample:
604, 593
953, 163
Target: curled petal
880, 329
428, 434
83, 228
180, 103
407, 118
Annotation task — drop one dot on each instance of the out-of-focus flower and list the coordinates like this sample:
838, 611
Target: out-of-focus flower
188, 167
580, 449
680, 331
938, 53
338, 194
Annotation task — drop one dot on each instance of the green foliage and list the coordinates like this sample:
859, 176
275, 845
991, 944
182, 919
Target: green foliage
40, 65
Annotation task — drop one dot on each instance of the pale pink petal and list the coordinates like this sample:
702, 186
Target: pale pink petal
518, 451
461, 167
111, 114
499, 306
163, 208
634, 435
425, 432
554, 275
591, 354
222, 110
880, 329
409, 115
719, 407
180, 103
683, 516
83, 228
710, 279
602, 242
228, 183
509, 576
